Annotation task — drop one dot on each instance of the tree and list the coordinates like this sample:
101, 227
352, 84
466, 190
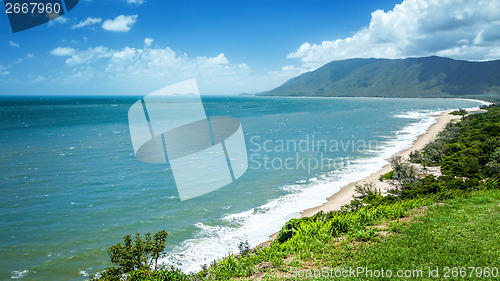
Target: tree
403, 173
366, 189
244, 248
140, 254
462, 112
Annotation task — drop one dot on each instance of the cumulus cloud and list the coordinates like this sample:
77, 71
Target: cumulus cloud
151, 62
288, 71
137, 70
148, 42
88, 22
13, 44
58, 20
39, 78
28, 56
135, 2
121, 23
91, 55
62, 51
461, 29
3, 70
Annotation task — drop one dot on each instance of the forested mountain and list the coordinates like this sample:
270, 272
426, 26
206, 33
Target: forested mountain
411, 77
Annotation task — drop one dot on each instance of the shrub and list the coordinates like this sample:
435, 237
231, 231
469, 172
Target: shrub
288, 230
139, 255
366, 189
244, 248
160, 275
403, 174
461, 111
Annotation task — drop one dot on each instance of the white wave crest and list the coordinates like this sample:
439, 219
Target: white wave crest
257, 224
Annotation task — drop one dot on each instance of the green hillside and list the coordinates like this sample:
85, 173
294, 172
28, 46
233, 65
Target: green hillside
412, 77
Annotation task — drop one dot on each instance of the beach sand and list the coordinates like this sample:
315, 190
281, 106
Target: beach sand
345, 194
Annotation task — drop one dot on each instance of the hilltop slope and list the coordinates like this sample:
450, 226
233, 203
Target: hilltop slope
411, 77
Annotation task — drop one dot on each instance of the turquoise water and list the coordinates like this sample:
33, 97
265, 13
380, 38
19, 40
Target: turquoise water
71, 185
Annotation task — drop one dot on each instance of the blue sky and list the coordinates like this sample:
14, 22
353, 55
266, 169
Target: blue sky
230, 47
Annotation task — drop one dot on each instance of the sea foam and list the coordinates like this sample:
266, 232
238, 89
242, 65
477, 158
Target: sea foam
257, 224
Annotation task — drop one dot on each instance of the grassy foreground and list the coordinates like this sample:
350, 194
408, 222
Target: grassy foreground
429, 227
458, 237
461, 234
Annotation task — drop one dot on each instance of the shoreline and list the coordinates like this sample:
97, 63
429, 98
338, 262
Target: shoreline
346, 192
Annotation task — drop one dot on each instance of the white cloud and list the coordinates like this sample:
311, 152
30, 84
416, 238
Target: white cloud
3, 70
89, 56
137, 70
461, 29
39, 78
62, 51
88, 22
288, 71
135, 2
13, 44
58, 20
126, 54
28, 56
121, 23
148, 42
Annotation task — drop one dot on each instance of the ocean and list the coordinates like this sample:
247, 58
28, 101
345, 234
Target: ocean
71, 185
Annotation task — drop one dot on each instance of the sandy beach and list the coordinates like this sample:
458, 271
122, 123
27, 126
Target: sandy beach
345, 194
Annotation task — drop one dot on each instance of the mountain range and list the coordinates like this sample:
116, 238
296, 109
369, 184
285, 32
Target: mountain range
412, 77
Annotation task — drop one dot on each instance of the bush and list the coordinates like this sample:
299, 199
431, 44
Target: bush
139, 255
365, 189
403, 174
288, 230
387, 176
244, 248
161, 275
459, 112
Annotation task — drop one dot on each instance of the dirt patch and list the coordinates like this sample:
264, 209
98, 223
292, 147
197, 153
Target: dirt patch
427, 171
383, 225
383, 228
264, 269
264, 265
308, 265
260, 270
384, 233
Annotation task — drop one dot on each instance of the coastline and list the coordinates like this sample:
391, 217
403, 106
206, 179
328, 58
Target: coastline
345, 194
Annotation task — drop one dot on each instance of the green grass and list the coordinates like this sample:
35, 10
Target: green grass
449, 223
461, 233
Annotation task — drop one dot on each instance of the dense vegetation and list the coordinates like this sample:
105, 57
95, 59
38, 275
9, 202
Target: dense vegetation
138, 260
426, 222
412, 77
